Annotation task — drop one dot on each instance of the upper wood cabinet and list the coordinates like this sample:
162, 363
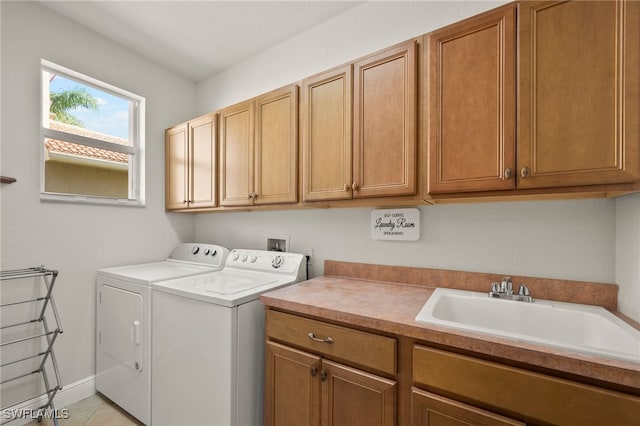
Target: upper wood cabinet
326, 105
579, 93
258, 150
385, 126
190, 174
359, 128
578, 98
471, 104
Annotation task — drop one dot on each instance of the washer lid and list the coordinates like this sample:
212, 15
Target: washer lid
227, 287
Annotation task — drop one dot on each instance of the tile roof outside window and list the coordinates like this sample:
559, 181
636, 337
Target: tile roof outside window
63, 147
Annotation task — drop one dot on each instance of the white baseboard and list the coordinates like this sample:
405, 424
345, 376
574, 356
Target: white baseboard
68, 395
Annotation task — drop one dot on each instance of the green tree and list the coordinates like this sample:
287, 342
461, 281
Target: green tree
67, 100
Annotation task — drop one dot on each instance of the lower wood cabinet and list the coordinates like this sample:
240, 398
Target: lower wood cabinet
305, 388
429, 409
529, 396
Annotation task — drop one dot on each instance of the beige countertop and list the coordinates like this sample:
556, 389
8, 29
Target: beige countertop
391, 307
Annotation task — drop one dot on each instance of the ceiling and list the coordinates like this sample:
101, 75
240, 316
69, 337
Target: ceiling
198, 39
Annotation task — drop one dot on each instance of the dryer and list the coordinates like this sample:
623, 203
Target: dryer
123, 322
208, 340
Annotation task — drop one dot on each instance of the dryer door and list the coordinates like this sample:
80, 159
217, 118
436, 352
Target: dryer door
121, 313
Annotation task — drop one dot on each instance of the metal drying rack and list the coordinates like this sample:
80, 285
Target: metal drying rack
43, 332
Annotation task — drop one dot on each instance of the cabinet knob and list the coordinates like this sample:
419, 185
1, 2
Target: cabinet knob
184, 202
508, 173
354, 186
314, 371
524, 172
345, 188
323, 375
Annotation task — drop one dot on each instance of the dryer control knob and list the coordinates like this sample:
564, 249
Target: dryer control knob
207, 251
195, 250
253, 259
235, 256
243, 258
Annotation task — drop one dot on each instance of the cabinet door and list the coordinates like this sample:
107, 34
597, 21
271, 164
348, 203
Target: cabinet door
203, 161
327, 136
433, 410
176, 163
352, 397
578, 93
292, 387
471, 104
236, 154
276, 147
384, 123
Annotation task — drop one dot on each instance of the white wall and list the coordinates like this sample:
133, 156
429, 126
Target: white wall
79, 239
628, 253
558, 239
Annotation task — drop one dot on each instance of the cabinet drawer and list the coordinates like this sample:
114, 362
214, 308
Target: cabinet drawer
364, 349
532, 396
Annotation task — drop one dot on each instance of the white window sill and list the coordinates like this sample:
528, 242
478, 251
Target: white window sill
87, 199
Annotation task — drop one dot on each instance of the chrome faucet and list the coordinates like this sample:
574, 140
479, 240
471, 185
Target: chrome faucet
504, 290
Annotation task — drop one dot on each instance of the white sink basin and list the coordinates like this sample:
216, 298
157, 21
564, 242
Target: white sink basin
583, 328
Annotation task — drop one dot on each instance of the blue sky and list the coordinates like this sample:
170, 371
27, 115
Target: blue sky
112, 116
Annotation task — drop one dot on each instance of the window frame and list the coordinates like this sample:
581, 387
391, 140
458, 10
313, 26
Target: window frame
136, 137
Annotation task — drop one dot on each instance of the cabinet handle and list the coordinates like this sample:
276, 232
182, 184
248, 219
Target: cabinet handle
314, 338
524, 172
314, 371
508, 173
354, 186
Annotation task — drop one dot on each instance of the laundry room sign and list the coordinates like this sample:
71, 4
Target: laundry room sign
395, 224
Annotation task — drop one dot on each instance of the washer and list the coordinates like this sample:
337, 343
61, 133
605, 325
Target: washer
123, 322
208, 340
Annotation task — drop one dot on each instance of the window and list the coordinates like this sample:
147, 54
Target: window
93, 140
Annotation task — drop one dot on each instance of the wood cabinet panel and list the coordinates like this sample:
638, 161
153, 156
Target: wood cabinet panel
190, 164
203, 161
533, 396
384, 130
355, 398
236, 154
176, 164
365, 349
276, 147
471, 78
429, 409
292, 393
578, 93
326, 107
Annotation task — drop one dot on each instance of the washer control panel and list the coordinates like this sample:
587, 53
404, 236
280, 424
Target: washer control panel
263, 260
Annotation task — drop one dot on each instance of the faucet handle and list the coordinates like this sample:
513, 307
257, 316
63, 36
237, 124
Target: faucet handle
524, 290
506, 286
495, 287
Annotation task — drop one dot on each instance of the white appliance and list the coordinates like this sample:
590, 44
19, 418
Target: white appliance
208, 340
123, 322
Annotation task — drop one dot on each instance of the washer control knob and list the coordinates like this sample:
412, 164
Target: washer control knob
214, 252
277, 262
253, 259
207, 251
235, 256
195, 250
243, 258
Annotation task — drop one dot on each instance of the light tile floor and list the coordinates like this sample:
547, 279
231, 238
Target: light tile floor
93, 411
